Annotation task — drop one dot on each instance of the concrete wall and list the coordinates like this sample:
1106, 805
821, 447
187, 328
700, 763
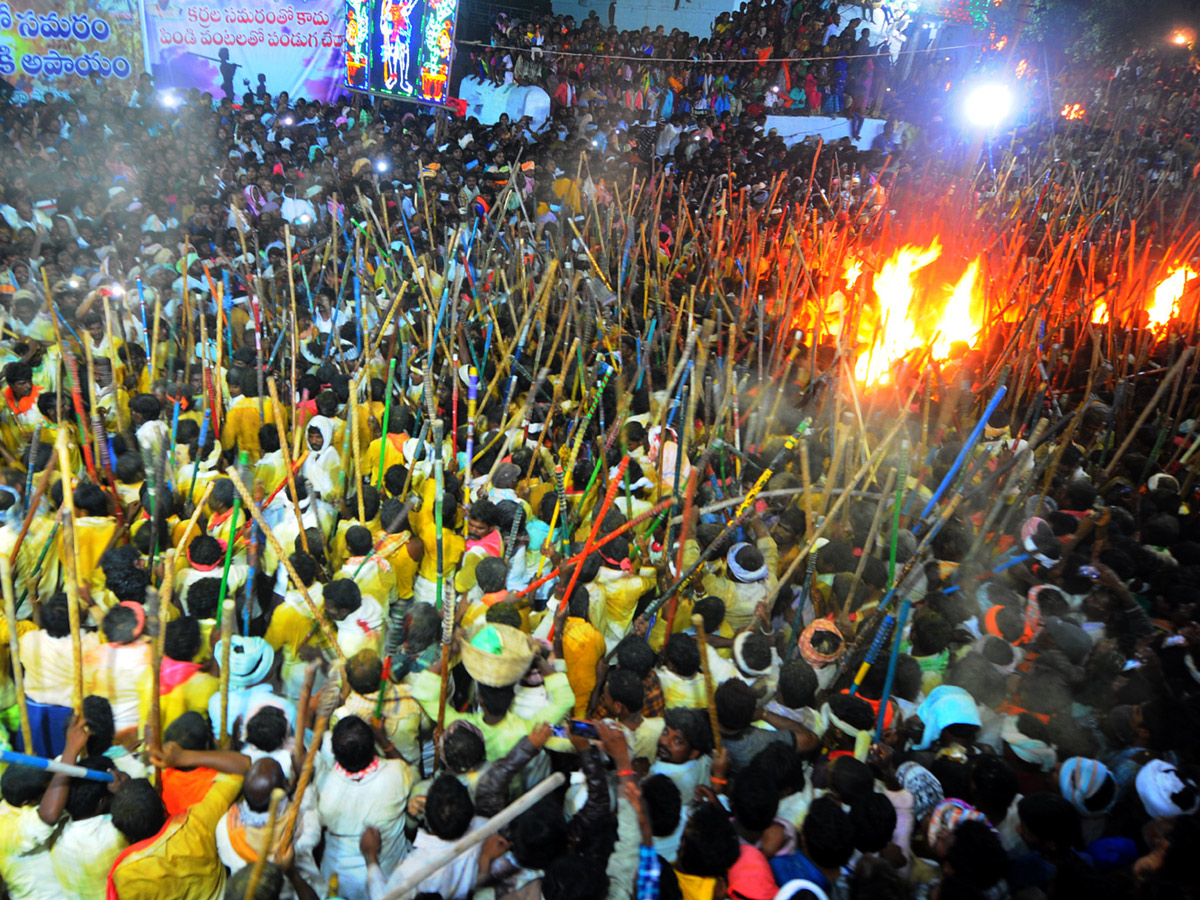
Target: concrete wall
794, 129
486, 101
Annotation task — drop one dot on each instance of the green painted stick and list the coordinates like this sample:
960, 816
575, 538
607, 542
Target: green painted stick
243, 460
901, 485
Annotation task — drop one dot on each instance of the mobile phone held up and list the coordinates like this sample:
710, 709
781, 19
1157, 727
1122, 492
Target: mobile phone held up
581, 727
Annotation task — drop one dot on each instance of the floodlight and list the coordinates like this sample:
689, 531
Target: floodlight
988, 105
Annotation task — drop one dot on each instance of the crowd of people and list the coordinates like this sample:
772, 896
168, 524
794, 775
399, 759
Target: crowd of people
787, 58
364, 470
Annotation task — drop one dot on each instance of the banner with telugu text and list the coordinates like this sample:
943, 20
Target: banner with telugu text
49, 48
231, 47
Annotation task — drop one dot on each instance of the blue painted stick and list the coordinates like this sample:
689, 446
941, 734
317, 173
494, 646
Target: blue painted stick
1007, 564
142, 302
966, 450
881, 637
901, 618
487, 346
12, 758
227, 303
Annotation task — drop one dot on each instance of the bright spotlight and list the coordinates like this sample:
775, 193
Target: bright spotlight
116, 291
988, 105
381, 166
288, 120
170, 99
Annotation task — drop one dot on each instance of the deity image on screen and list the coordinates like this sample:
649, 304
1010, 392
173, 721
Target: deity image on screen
436, 47
395, 21
357, 43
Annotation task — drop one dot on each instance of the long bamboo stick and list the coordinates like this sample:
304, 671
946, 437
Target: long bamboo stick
10, 616
70, 554
478, 836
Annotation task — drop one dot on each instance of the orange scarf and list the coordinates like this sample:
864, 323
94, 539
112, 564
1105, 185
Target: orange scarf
240, 836
22, 406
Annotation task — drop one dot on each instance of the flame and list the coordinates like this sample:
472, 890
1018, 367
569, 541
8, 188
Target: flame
1002, 43
1021, 67
1072, 111
894, 334
1100, 313
903, 322
1167, 295
854, 268
957, 323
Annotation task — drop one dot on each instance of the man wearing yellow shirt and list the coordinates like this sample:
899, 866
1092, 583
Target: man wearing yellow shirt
242, 420
580, 645
753, 571
372, 573
619, 589
270, 471
453, 544
95, 530
349, 519
220, 504
180, 851
393, 456
183, 685
293, 628
20, 408
399, 546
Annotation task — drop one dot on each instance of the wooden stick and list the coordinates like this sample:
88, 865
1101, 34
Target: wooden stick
71, 580
356, 452
701, 640
43, 482
10, 615
154, 719
811, 541
268, 840
871, 535
228, 614
284, 558
1167, 381
289, 826
287, 461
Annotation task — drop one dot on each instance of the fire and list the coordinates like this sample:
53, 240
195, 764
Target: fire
1100, 313
894, 333
905, 322
854, 268
1072, 111
957, 323
1021, 67
1167, 296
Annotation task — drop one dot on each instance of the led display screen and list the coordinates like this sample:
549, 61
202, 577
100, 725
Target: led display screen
402, 48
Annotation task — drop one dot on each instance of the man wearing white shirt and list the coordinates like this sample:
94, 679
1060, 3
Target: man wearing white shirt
449, 814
